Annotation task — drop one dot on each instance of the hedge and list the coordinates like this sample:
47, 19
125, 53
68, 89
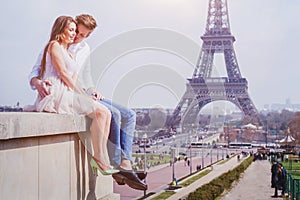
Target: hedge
216, 187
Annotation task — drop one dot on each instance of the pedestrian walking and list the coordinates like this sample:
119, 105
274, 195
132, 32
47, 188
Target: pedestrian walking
274, 178
278, 179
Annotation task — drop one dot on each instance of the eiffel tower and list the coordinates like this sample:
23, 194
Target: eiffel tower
202, 88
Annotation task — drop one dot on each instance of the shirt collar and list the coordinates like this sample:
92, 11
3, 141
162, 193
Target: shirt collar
76, 47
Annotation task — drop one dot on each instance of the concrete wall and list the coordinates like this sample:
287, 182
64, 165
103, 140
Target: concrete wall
42, 157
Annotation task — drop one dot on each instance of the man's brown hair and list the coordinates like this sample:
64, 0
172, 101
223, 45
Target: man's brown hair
86, 20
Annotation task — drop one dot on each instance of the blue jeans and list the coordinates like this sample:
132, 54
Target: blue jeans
121, 132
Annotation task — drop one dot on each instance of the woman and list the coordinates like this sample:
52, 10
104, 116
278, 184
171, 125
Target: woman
66, 94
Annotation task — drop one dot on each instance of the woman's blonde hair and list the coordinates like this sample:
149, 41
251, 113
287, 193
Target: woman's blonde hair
57, 31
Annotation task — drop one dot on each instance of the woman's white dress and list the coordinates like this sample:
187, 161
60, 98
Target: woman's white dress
61, 98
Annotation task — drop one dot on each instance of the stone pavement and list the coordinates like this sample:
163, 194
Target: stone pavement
218, 169
255, 183
158, 178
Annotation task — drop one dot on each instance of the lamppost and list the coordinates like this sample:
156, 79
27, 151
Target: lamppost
211, 161
217, 153
145, 163
202, 153
227, 132
276, 139
191, 168
191, 138
173, 158
267, 130
222, 153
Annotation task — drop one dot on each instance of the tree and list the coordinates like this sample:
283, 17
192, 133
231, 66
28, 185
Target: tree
158, 119
143, 119
294, 126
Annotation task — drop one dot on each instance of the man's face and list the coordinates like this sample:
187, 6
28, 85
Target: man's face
81, 33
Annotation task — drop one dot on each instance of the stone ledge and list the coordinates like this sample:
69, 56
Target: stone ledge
31, 124
54, 158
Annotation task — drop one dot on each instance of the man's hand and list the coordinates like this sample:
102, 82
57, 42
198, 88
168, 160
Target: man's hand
97, 96
41, 86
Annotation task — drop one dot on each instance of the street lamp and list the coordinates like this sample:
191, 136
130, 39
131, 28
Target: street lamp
191, 168
191, 138
217, 153
222, 152
173, 136
145, 141
227, 132
267, 131
202, 157
173, 158
211, 161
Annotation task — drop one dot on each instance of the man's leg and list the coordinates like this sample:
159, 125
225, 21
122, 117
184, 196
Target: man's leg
124, 121
124, 124
283, 188
275, 192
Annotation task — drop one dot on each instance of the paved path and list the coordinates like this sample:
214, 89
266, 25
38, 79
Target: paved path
254, 184
159, 177
218, 169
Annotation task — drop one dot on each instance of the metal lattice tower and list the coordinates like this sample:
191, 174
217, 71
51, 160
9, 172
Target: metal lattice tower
202, 88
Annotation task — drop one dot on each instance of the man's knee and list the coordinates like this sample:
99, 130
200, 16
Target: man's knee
115, 113
132, 115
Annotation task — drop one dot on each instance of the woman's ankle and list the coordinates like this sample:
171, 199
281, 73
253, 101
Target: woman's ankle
103, 165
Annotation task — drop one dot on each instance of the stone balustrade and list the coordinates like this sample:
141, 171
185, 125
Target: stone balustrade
46, 156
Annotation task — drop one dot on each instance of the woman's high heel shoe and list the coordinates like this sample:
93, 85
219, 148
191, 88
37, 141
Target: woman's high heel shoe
95, 167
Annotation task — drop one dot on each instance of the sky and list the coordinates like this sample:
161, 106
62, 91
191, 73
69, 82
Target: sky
144, 50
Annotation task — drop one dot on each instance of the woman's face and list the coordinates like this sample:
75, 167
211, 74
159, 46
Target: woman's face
70, 33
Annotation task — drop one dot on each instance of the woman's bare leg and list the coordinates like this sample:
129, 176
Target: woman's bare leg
106, 130
100, 117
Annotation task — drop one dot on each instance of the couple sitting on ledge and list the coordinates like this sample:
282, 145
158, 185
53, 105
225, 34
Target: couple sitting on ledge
57, 79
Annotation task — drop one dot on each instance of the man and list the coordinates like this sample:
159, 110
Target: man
123, 119
282, 179
274, 178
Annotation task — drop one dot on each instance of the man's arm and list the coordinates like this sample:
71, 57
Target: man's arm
85, 76
36, 83
87, 73
35, 71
